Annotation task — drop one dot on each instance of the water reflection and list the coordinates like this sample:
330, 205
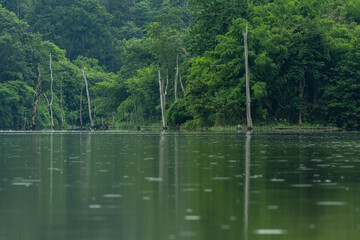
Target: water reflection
247, 184
179, 186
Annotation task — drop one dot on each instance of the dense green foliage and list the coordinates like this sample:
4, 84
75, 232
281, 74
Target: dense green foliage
304, 61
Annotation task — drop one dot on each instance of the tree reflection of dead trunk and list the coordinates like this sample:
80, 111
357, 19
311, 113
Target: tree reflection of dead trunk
176, 174
51, 177
247, 184
161, 161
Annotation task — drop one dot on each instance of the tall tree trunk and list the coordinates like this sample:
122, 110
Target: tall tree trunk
176, 77
88, 95
248, 107
61, 106
113, 121
162, 102
36, 100
81, 97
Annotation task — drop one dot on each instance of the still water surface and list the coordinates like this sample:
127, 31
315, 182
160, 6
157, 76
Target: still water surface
140, 186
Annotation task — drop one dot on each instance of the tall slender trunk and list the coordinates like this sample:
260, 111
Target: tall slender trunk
162, 102
248, 107
36, 100
113, 120
88, 95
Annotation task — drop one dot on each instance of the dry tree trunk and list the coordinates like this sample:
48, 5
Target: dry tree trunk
48, 103
52, 96
162, 100
88, 95
248, 107
36, 100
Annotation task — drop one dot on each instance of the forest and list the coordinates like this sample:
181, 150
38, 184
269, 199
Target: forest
98, 63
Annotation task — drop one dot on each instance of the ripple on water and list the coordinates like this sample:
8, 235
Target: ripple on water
153, 179
112, 195
25, 182
192, 218
330, 203
220, 178
269, 231
94, 206
301, 185
277, 180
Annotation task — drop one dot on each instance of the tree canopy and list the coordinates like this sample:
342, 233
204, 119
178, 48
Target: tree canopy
303, 59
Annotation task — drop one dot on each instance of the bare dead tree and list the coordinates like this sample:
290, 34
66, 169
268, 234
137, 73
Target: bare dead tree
88, 95
49, 104
247, 73
52, 96
162, 100
36, 100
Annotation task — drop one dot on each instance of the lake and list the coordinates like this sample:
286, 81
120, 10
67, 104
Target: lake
201, 186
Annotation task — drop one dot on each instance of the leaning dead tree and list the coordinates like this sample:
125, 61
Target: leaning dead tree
247, 73
52, 96
88, 95
36, 100
162, 99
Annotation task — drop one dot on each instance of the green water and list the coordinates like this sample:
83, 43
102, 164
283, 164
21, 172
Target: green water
179, 186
